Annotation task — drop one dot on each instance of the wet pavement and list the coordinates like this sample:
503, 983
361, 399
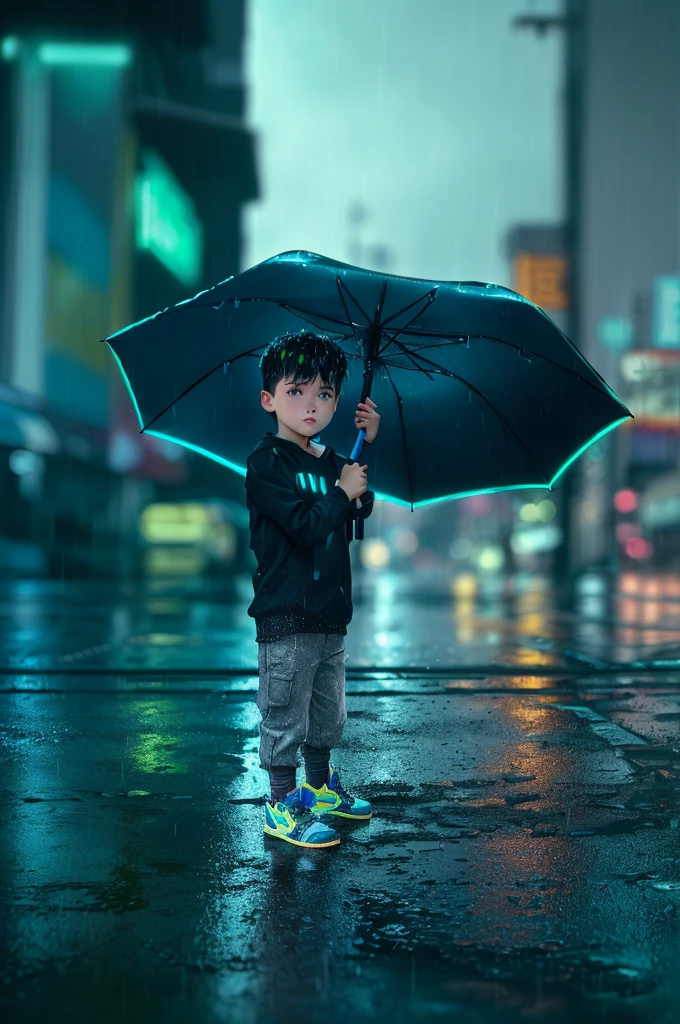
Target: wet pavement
522, 754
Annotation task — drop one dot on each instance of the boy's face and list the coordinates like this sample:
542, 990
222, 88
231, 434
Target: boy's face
297, 405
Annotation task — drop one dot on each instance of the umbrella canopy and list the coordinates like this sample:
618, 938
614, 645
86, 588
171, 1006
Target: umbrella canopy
478, 390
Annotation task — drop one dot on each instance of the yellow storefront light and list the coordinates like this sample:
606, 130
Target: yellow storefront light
464, 586
176, 524
528, 513
545, 510
175, 561
374, 554
491, 558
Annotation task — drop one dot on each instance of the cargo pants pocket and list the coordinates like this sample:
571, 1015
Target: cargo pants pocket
277, 673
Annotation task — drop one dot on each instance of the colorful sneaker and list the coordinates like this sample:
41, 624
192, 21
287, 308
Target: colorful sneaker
333, 799
291, 821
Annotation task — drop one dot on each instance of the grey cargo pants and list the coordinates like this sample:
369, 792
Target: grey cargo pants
301, 695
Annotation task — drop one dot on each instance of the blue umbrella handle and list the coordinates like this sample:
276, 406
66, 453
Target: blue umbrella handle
354, 457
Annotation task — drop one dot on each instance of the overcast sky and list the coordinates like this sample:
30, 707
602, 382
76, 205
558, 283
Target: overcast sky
436, 114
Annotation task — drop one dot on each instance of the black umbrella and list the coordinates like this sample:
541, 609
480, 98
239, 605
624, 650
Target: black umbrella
478, 390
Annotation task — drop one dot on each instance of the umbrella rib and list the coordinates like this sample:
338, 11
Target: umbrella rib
182, 307
347, 312
598, 375
309, 312
195, 384
449, 373
501, 341
407, 325
430, 296
402, 426
420, 369
298, 313
455, 338
341, 284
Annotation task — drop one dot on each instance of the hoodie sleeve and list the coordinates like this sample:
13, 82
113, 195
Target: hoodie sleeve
273, 495
366, 499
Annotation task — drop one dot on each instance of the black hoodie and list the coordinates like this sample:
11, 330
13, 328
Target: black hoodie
300, 529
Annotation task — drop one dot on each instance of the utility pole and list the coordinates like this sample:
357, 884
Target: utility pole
572, 22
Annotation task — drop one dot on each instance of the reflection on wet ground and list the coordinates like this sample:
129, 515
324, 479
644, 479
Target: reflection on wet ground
522, 862
399, 623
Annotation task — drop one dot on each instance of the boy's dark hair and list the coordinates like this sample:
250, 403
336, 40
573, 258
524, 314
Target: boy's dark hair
304, 355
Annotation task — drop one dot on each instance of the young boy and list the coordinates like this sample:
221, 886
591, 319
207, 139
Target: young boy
301, 507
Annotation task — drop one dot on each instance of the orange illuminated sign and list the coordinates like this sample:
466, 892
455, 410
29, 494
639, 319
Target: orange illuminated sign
541, 279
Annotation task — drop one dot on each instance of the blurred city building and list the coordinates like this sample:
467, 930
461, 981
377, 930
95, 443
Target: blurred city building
611, 278
128, 166
628, 270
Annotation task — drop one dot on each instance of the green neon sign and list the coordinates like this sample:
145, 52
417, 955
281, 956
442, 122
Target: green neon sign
110, 55
166, 221
64, 54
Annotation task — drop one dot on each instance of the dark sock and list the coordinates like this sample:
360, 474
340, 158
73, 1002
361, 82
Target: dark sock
317, 761
282, 780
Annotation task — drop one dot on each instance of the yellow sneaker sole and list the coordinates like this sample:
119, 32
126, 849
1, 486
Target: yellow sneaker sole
296, 842
354, 817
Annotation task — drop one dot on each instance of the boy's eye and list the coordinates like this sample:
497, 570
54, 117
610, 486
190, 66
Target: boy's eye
326, 393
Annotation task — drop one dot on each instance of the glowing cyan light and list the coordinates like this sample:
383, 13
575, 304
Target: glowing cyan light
537, 539
109, 55
515, 487
129, 387
241, 470
379, 496
9, 47
588, 444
